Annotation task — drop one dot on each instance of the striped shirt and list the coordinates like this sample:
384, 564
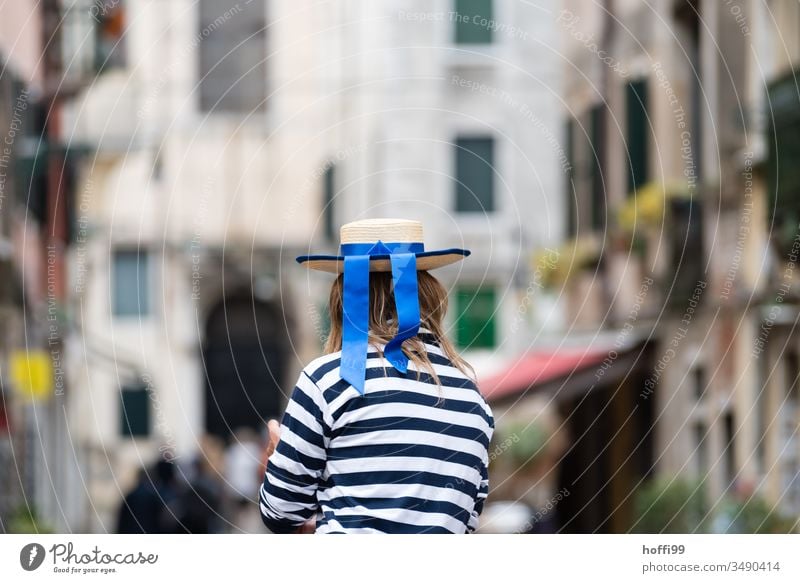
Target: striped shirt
409, 456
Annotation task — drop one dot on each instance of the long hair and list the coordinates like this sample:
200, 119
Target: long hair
383, 320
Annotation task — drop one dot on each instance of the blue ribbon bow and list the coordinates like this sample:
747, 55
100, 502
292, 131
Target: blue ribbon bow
355, 317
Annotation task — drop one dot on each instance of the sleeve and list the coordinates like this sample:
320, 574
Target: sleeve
483, 491
288, 496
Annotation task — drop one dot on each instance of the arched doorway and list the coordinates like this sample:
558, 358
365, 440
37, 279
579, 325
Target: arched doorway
244, 356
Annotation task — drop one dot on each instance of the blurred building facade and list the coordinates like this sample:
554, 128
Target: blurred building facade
38, 170
645, 154
676, 238
184, 288
446, 111
227, 138
18, 66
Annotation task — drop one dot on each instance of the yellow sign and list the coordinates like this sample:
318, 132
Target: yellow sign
32, 374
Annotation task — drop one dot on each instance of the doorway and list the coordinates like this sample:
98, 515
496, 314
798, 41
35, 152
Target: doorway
244, 357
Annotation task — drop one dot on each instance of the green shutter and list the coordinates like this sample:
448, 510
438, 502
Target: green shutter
473, 21
637, 134
328, 186
474, 174
131, 283
596, 153
476, 307
783, 171
569, 187
134, 411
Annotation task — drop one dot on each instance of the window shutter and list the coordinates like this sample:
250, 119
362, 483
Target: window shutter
476, 309
637, 134
131, 283
472, 20
134, 411
475, 174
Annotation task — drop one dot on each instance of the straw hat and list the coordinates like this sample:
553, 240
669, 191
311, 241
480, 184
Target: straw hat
393, 245
378, 238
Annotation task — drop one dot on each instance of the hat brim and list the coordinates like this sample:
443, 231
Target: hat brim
425, 260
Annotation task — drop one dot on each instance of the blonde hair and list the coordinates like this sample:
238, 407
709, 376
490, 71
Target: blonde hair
383, 320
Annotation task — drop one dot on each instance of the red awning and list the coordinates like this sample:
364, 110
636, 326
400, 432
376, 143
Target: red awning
539, 367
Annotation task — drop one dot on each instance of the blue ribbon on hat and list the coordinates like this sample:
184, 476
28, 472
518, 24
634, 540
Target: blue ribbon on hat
355, 318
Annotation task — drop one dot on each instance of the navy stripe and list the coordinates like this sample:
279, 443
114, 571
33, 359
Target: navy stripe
289, 495
319, 372
307, 403
390, 372
379, 398
437, 253
405, 450
293, 454
305, 433
396, 477
405, 502
407, 424
384, 525
430, 338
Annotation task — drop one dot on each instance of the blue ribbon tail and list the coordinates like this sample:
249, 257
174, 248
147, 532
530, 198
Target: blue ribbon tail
406, 299
355, 321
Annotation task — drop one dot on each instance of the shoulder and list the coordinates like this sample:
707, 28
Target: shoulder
319, 369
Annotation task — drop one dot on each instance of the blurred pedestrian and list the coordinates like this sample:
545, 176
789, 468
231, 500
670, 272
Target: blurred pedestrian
151, 507
201, 500
242, 477
139, 511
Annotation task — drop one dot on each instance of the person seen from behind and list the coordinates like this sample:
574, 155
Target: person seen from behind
387, 432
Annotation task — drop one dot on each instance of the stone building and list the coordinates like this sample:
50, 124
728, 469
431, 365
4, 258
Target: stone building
681, 122
227, 138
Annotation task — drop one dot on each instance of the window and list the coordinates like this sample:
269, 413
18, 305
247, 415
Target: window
763, 418
700, 453
685, 240
569, 183
783, 171
788, 427
596, 154
233, 53
688, 17
699, 375
637, 134
134, 410
792, 373
31, 166
476, 307
329, 192
729, 456
473, 21
474, 174
109, 16
131, 283
78, 39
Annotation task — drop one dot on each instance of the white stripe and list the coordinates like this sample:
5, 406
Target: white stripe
392, 491
300, 444
451, 471
414, 411
289, 465
406, 516
389, 437
274, 480
303, 416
